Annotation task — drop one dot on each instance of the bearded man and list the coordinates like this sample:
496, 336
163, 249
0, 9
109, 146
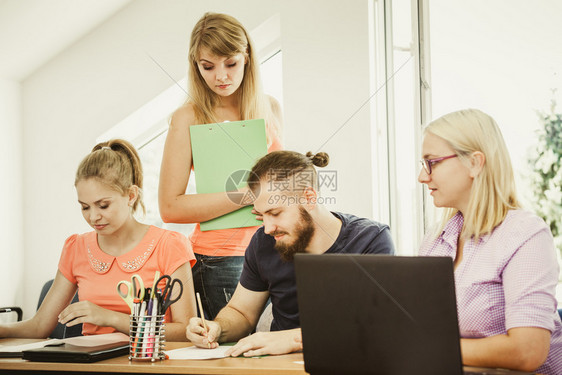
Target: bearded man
285, 187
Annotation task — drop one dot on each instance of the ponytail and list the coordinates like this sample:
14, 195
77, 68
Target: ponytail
116, 163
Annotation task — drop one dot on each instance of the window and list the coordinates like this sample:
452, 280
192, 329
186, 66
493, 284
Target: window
502, 57
151, 157
396, 110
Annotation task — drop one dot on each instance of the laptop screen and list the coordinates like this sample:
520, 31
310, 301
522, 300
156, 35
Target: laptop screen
377, 314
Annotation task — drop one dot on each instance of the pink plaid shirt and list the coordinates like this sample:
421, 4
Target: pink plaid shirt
506, 280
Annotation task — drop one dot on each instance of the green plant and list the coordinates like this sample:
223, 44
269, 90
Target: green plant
547, 173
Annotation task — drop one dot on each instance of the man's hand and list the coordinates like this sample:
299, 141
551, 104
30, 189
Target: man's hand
261, 343
196, 333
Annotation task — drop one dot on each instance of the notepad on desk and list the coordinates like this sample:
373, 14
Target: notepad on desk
82, 349
193, 352
223, 155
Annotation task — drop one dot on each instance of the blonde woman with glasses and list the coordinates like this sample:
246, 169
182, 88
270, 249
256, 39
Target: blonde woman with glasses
504, 257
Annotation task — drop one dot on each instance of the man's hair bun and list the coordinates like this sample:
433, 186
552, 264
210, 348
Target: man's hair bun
320, 159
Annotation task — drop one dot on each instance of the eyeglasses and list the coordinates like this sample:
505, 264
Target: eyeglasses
428, 163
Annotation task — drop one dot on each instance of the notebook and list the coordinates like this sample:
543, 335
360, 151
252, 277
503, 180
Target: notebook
379, 315
77, 354
223, 156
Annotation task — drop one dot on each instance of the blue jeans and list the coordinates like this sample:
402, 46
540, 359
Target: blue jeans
216, 278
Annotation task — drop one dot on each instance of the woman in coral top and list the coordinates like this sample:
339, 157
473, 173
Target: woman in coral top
109, 187
224, 85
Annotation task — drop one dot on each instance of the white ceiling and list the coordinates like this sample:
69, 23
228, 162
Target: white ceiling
32, 32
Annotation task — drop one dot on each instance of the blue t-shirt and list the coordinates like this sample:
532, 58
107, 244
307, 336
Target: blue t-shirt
264, 270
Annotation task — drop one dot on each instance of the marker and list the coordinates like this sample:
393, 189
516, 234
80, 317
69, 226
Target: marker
137, 345
136, 308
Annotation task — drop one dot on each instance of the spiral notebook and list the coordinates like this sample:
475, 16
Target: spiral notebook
223, 155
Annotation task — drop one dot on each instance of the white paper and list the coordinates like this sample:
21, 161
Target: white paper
34, 345
194, 352
95, 340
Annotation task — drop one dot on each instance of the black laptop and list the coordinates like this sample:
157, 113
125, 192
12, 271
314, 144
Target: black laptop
379, 315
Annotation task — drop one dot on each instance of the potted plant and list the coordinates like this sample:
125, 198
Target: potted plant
546, 181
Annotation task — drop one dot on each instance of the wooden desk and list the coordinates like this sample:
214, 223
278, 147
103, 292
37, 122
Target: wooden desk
275, 365
290, 364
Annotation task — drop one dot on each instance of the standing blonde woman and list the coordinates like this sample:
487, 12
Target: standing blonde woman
505, 263
224, 85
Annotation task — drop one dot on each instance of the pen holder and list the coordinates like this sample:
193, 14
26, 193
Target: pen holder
147, 337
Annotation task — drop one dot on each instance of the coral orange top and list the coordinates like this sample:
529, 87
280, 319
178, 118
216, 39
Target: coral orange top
232, 241
96, 273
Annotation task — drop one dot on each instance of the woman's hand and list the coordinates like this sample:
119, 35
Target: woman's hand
258, 215
86, 312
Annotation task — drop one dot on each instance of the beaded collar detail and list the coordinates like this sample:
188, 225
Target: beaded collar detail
98, 265
137, 262
132, 261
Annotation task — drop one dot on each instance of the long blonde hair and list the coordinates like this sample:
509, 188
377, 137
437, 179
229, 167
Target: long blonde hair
224, 35
493, 191
115, 163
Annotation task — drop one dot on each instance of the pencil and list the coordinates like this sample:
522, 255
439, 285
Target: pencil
202, 314
201, 310
154, 286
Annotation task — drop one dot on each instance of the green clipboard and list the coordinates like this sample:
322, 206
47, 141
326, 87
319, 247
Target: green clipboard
223, 155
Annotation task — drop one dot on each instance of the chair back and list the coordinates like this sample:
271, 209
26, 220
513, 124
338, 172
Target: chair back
14, 309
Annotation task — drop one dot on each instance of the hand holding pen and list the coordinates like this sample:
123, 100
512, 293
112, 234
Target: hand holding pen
203, 333
201, 337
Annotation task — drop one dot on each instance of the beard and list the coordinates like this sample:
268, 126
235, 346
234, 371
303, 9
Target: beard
303, 232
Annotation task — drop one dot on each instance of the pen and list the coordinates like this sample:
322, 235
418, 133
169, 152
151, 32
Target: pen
136, 307
147, 325
136, 346
202, 314
155, 330
153, 326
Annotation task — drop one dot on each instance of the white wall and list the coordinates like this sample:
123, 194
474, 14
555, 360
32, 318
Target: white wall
325, 81
108, 74
11, 199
